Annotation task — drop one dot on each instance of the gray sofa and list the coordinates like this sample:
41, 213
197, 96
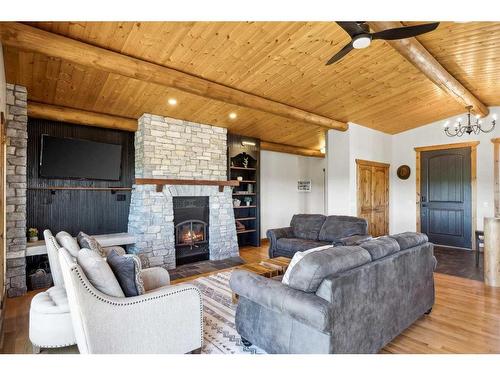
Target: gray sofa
309, 231
346, 299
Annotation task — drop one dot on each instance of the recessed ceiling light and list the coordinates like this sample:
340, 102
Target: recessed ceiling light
172, 101
233, 115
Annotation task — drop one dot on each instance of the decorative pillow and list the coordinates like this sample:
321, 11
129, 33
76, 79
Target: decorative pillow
85, 241
296, 258
67, 241
99, 273
127, 269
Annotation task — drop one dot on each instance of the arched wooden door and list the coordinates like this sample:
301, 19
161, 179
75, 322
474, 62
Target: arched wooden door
373, 195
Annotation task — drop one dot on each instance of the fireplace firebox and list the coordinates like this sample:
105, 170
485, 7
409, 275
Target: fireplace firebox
191, 221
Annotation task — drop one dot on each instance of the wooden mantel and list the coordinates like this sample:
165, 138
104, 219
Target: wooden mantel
160, 182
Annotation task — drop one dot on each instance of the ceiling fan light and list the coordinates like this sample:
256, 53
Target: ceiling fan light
361, 41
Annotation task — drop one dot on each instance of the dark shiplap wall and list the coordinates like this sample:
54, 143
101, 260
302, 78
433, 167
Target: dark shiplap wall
94, 212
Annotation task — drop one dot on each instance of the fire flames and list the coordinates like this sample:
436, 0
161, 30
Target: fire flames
191, 236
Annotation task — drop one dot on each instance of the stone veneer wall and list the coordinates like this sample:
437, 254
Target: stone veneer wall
177, 149
17, 140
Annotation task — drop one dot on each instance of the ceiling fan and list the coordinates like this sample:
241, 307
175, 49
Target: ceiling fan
361, 37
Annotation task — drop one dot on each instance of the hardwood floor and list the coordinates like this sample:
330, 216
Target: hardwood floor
465, 318
459, 262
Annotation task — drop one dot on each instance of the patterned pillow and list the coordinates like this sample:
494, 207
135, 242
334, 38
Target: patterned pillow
127, 270
87, 242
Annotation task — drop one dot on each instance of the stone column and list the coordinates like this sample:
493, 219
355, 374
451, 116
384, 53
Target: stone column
17, 139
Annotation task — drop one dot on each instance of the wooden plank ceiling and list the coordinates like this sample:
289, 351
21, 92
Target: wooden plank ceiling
283, 61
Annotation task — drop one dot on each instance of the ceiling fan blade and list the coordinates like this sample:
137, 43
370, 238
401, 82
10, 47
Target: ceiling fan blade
353, 28
344, 51
405, 32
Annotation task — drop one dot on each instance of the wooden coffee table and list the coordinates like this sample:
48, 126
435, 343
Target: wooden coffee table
267, 268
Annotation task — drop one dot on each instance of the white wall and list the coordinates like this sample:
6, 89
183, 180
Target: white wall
403, 193
363, 143
343, 148
280, 199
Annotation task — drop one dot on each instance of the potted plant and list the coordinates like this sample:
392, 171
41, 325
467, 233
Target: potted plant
32, 234
248, 200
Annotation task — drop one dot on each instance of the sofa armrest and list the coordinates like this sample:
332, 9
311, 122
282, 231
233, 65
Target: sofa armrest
154, 278
164, 321
274, 235
306, 308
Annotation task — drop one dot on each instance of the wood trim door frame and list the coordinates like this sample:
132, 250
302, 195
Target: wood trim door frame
496, 174
358, 191
473, 176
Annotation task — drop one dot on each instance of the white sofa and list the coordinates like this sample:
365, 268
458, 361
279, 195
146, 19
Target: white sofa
165, 320
52, 323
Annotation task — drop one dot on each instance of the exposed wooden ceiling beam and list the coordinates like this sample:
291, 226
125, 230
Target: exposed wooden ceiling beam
101, 120
277, 147
77, 116
30, 38
415, 53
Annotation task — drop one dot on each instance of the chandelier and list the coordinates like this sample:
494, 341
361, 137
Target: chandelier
474, 125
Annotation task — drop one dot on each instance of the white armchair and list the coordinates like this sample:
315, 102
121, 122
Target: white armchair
168, 319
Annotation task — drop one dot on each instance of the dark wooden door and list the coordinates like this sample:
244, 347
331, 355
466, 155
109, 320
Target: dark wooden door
445, 203
373, 195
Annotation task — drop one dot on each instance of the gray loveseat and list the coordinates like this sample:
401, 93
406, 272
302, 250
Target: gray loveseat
309, 231
346, 299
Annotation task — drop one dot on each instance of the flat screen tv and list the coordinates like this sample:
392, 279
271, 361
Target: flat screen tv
79, 159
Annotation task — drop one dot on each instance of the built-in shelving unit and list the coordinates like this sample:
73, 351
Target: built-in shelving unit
244, 165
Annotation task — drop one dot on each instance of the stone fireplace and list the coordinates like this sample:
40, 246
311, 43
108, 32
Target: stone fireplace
167, 148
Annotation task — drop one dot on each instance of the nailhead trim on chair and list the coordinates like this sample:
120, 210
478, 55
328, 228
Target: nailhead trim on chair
75, 269
53, 346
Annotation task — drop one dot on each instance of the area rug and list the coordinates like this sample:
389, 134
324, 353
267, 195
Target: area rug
220, 336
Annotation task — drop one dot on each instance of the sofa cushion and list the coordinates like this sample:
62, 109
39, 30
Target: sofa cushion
310, 271
127, 270
88, 242
307, 226
99, 273
380, 247
355, 240
410, 239
67, 241
292, 245
296, 258
336, 227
